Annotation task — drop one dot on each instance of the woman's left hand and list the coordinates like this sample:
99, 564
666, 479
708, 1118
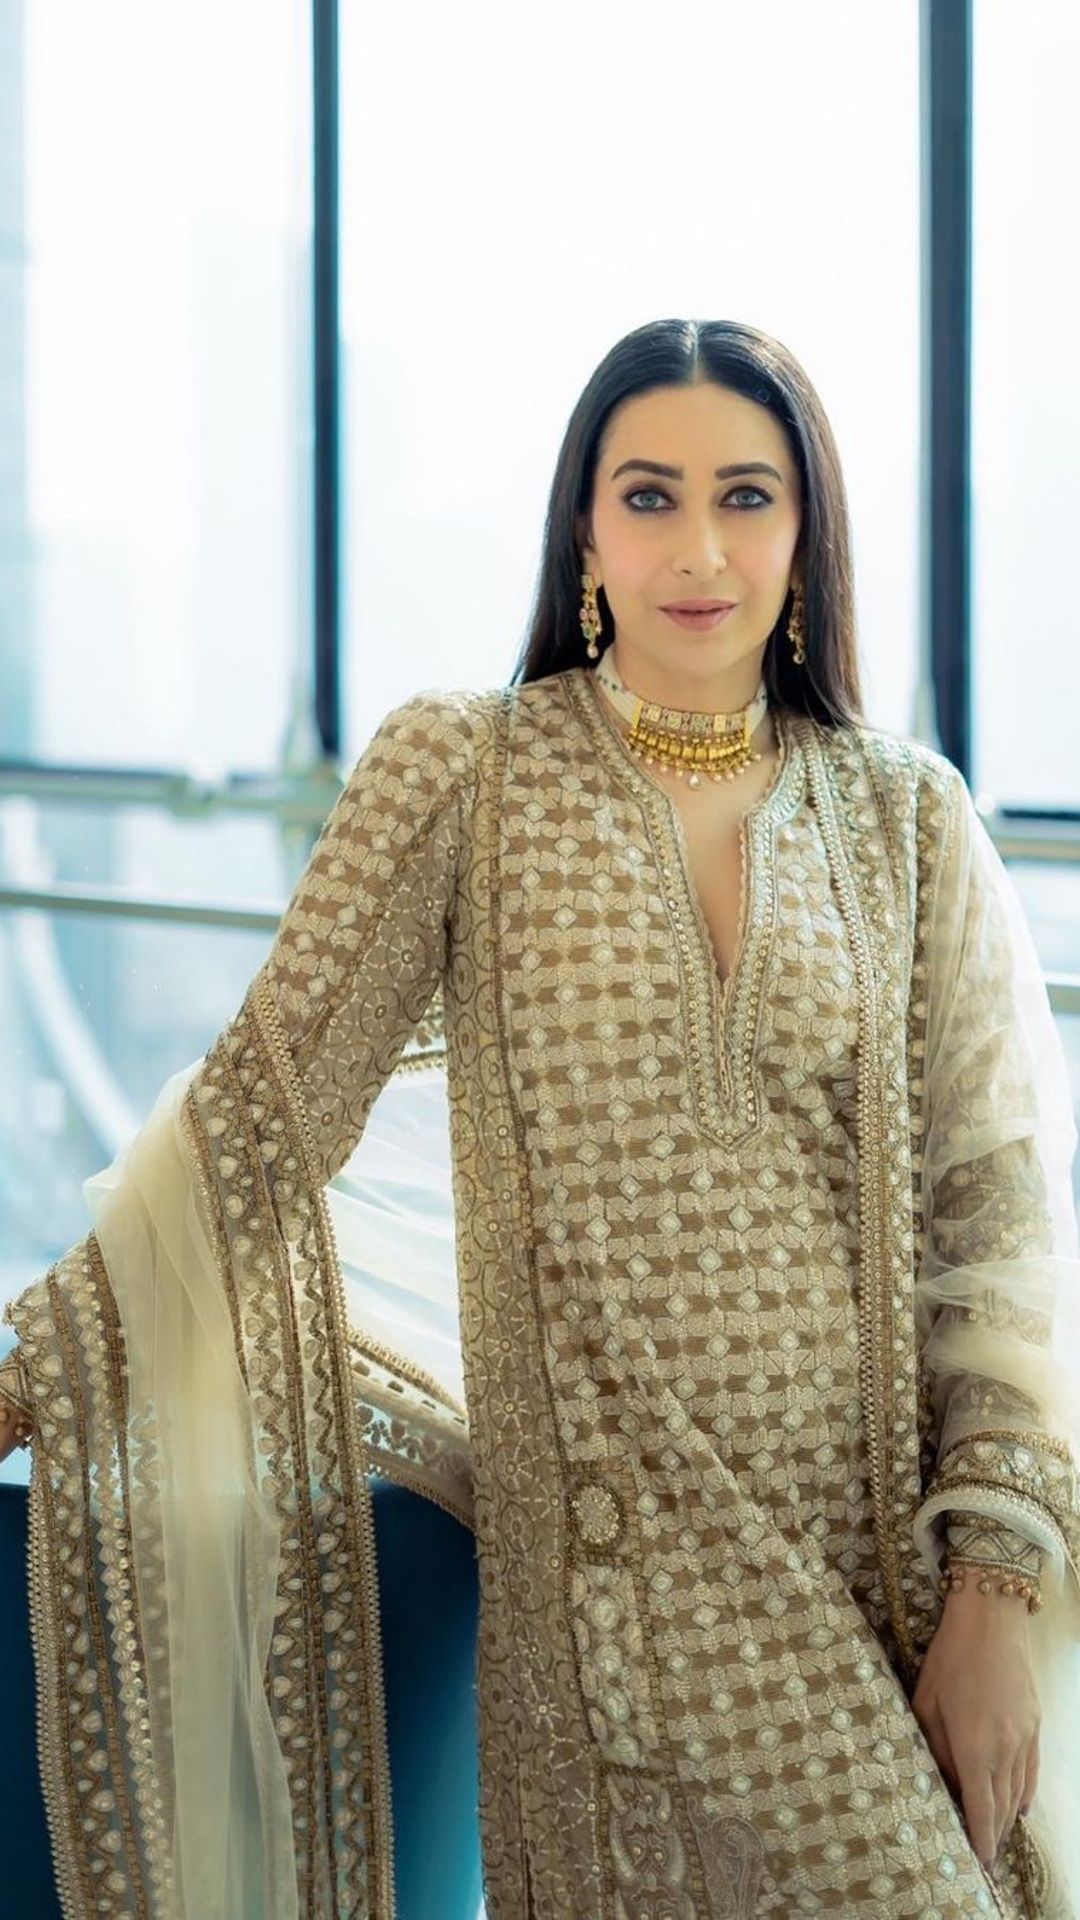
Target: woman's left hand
977, 1704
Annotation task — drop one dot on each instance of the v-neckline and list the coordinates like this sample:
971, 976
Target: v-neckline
763, 804
723, 981
723, 1010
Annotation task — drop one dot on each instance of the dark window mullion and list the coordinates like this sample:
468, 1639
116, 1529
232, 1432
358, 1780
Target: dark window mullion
327, 395
946, 148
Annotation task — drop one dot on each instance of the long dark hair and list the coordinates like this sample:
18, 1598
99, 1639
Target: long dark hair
686, 353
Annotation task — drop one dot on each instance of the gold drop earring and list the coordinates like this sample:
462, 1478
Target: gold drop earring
795, 625
590, 616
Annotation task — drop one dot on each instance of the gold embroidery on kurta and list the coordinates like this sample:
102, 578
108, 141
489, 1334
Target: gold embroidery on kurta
694, 1422
721, 1016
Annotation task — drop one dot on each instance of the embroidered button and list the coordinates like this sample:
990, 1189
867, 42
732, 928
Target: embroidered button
597, 1514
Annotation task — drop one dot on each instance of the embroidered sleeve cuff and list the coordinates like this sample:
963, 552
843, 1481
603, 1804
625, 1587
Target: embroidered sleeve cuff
978, 1539
1008, 1496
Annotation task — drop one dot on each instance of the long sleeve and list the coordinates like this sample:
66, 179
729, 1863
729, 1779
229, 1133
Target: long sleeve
362, 946
205, 1416
998, 1287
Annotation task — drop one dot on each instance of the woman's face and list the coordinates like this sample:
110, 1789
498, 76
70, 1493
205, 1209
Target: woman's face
658, 538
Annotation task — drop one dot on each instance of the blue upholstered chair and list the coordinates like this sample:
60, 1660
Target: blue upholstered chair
428, 1598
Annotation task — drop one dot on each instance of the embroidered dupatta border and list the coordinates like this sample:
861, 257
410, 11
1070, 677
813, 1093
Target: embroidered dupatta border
876, 897
105, 1819
861, 794
328, 1404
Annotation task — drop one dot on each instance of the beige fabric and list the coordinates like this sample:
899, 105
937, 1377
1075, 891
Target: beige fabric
715, 1280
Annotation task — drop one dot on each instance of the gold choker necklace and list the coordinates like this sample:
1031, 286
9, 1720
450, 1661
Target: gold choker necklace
715, 743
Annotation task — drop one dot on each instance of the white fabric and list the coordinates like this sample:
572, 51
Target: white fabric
392, 1211
996, 1089
198, 1512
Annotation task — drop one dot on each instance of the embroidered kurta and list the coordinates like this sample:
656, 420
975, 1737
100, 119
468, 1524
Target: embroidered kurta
708, 1447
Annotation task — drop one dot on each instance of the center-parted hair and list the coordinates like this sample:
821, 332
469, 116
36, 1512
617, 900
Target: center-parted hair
687, 353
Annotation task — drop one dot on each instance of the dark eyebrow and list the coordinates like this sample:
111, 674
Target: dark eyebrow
676, 473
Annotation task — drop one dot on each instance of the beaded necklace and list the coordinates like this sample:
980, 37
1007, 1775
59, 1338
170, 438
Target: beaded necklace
717, 744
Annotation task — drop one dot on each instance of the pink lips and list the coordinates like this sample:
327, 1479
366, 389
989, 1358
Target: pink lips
698, 622
698, 606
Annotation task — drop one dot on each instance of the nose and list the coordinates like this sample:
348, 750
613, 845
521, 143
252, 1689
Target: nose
702, 549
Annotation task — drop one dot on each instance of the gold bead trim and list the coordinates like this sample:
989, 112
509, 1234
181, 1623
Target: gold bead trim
1008, 1583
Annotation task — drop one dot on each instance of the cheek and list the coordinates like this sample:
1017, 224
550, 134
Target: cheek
761, 559
631, 559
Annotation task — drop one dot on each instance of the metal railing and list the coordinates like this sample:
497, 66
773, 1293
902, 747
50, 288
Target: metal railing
304, 801
295, 799
117, 904
114, 903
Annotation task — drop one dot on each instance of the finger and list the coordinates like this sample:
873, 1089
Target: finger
1031, 1778
979, 1812
937, 1740
1008, 1793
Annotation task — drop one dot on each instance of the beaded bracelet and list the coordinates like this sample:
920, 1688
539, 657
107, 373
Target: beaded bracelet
22, 1424
1009, 1581
9, 1401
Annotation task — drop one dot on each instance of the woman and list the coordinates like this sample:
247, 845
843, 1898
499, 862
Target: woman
765, 1258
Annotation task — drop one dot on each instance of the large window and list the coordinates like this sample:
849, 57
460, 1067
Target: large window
156, 456
155, 204
172, 350
1025, 405
540, 185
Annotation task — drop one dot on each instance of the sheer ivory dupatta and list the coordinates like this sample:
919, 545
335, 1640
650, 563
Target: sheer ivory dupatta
997, 1293
210, 1391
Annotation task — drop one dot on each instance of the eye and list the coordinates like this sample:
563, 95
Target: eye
763, 498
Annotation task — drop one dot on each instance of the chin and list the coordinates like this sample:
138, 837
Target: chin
711, 651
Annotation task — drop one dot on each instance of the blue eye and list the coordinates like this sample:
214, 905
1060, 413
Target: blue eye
763, 498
